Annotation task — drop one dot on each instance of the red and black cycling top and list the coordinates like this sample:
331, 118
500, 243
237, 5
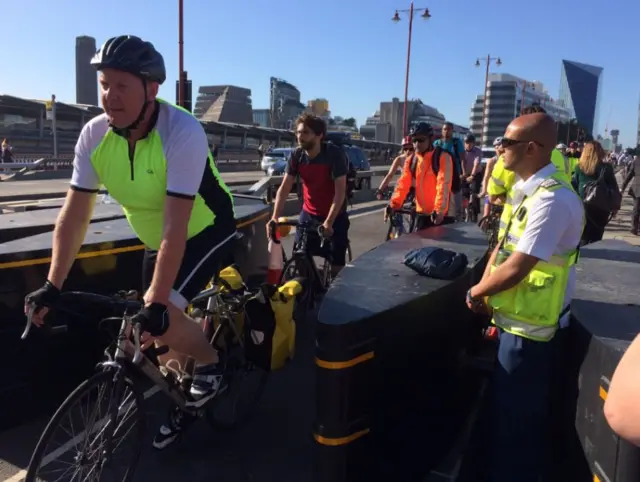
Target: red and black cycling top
318, 176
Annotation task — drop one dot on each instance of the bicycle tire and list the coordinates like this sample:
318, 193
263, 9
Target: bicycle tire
211, 411
389, 230
83, 389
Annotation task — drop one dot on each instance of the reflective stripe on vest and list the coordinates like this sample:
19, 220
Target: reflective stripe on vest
532, 308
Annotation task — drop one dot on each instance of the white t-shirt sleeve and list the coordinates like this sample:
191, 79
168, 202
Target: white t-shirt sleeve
548, 219
187, 157
84, 177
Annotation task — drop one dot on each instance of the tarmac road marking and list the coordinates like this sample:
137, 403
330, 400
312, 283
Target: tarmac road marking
20, 475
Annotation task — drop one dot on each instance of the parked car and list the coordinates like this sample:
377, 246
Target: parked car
278, 167
274, 155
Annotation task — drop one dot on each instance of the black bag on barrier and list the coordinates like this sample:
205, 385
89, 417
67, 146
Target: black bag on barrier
259, 327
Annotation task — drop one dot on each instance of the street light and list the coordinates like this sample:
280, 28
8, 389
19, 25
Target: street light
426, 15
181, 83
487, 61
525, 84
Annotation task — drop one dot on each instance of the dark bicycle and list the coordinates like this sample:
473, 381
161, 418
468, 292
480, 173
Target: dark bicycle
490, 225
401, 221
107, 408
302, 265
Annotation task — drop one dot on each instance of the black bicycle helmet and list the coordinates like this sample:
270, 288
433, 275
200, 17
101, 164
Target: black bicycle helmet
131, 54
470, 138
421, 129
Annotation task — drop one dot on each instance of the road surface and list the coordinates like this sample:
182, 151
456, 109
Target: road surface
274, 446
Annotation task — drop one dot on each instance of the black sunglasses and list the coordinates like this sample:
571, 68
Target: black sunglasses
506, 142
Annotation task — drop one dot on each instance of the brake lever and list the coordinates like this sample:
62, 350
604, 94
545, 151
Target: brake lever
27, 329
137, 357
321, 234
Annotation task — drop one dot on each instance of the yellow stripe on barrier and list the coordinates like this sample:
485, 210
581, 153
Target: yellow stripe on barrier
341, 365
104, 252
603, 393
596, 478
335, 442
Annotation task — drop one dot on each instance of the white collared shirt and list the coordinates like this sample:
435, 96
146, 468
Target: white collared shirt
554, 224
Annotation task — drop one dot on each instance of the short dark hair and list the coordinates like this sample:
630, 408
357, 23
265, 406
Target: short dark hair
314, 123
533, 109
448, 124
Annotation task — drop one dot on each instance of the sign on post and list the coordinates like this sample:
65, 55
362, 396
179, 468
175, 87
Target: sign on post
49, 108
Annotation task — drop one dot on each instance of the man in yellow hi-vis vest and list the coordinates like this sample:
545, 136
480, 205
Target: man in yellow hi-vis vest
528, 285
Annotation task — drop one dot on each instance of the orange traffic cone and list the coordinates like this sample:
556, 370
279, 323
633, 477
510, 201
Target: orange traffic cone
276, 260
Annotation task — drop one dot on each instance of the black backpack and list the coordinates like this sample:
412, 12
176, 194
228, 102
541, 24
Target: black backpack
600, 195
435, 165
352, 173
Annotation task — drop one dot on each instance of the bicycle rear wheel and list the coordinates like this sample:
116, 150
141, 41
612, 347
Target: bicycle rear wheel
99, 410
244, 384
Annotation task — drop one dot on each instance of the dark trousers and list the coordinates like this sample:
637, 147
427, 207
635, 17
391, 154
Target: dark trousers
595, 224
635, 214
522, 380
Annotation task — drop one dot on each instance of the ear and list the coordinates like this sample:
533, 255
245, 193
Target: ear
152, 91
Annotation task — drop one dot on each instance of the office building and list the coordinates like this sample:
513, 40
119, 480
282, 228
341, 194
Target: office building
387, 122
319, 107
207, 95
232, 105
86, 76
261, 117
580, 92
506, 95
284, 103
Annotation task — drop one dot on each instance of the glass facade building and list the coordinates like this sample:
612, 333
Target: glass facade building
580, 89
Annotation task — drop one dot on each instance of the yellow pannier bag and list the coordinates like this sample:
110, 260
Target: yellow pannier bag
284, 336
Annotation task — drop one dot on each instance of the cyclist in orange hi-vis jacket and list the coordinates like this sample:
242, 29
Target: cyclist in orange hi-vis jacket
433, 171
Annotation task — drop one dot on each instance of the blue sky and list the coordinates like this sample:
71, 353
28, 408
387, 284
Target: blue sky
347, 51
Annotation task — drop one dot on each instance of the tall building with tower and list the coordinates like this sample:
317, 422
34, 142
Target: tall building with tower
86, 77
580, 92
284, 103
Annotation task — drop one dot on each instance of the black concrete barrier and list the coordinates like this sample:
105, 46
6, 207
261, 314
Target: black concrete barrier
391, 387
606, 318
38, 373
14, 226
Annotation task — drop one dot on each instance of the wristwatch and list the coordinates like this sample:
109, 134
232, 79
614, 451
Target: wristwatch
473, 301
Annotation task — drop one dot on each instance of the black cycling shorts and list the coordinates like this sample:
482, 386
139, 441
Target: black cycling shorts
205, 255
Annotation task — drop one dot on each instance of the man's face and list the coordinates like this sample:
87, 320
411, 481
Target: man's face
421, 143
516, 149
446, 131
307, 139
122, 96
468, 145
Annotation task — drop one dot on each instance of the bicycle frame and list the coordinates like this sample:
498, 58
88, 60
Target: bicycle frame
302, 253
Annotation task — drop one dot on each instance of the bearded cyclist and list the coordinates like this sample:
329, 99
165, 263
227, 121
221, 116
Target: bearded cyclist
154, 160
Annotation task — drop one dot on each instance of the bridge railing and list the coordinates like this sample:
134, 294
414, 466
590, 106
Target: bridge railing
268, 185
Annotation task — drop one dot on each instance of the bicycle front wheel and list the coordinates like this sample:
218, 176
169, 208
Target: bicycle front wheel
96, 434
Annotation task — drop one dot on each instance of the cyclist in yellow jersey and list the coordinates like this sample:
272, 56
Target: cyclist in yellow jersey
154, 159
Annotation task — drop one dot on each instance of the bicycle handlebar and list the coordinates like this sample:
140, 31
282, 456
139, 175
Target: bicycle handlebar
116, 302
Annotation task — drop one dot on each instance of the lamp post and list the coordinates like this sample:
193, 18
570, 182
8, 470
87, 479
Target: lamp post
396, 18
181, 83
487, 61
525, 84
